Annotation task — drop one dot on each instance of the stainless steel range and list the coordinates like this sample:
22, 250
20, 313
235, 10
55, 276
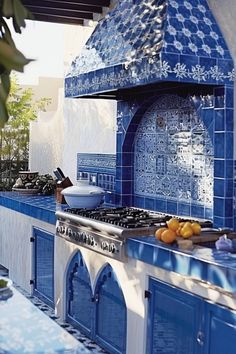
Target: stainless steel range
105, 230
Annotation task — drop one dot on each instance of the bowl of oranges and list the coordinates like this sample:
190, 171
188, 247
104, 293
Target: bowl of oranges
176, 229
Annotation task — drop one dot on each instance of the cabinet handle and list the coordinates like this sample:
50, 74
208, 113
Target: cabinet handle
200, 338
95, 298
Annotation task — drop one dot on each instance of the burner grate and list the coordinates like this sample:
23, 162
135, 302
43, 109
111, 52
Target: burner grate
123, 216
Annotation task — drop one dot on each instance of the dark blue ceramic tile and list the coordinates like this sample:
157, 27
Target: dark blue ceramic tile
127, 187
139, 202
219, 187
207, 116
229, 168
219, 145
149, 203
183, 209
228, 207
127, 200
197, 211
229, 97
219, 206
229, 120
229, 187
161, 205
228, 222
229, 145
219, 168
172, 207
219, 120
218, 221
208, 213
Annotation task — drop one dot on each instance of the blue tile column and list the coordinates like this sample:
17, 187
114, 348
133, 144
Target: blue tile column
224, 213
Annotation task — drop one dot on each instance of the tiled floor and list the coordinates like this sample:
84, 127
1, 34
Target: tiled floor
90, 345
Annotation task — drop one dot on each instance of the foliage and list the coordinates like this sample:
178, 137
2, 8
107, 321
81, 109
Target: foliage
14, 137
10, 57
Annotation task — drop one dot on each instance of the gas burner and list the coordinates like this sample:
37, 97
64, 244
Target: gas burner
125, 217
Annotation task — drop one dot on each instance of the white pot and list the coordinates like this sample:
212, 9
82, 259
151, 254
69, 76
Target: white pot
83, 195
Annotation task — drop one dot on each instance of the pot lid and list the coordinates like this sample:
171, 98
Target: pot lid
83, 189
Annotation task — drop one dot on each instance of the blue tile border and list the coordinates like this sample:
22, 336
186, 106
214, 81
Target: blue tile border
215, 267
39, 207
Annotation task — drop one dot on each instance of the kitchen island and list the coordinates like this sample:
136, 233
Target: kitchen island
153, 274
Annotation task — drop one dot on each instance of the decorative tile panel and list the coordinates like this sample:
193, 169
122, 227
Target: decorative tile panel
172, 161
100, 168
141, 42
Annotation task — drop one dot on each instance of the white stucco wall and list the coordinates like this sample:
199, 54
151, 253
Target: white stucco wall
78, 125
89, 127
47, 139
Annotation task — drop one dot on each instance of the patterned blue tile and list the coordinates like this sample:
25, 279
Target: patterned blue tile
173, 154
124, 52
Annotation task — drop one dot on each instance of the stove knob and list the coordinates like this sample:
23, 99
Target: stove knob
74, 235
58, 228
104, 245
69, 232
84, 238
112, 248
92, 241
62, 229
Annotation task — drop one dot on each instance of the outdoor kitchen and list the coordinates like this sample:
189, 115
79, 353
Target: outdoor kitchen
93, 250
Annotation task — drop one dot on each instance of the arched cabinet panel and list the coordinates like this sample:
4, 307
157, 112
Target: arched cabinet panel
79, 295
111, 318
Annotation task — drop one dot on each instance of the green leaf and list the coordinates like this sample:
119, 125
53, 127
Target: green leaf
11, 58
3, 113
7, 34
20, 14
5, 85
7, 8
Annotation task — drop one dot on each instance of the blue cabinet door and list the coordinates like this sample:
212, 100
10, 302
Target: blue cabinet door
174, 320
110, 313
79, 295
220, 330
44, 265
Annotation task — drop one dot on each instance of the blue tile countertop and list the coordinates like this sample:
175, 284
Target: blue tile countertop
37, 206
216, 267
210, 265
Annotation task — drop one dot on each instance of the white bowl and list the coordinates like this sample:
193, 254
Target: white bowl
83, 196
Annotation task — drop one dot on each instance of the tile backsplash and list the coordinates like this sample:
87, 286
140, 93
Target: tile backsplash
174, 154
101, 171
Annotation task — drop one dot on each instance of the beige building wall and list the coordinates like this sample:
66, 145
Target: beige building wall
47, 87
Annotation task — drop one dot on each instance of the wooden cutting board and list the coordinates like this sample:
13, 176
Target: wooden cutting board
210, 236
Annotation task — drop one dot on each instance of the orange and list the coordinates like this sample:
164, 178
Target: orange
168, 236
196, 227
178, 231
186, 231
187, 223
173, 224
159, 232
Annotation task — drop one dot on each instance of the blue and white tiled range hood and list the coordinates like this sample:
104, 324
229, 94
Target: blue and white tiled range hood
144, 42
